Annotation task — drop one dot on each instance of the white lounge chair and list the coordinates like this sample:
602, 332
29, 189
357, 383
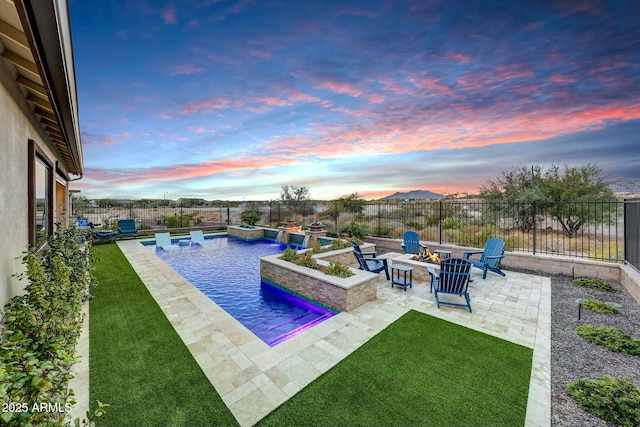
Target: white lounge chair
198, 238
163, 241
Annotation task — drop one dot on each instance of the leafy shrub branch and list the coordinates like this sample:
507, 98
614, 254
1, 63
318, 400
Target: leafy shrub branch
615, 400
40, 331
613, 339
589, 282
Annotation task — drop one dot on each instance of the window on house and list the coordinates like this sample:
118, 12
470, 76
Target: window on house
40, 196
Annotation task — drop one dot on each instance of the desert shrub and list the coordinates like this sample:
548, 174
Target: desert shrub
304, 259
592, 283
615, 400
610, 251
355, 229
599, 306
175, 221
383, 230
250, 218
338, 269
336, 244
451, 223
613, 339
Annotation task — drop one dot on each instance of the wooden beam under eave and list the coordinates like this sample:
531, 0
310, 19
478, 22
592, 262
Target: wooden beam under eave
32, 86
50, 123
20, 62
14, 34
54, 133
47, 115
40, 102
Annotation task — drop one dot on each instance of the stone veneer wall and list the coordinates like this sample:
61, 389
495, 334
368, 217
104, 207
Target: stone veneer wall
337, 293
245, 233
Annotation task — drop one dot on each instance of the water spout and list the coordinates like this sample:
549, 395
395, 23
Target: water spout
279, 236
305, 242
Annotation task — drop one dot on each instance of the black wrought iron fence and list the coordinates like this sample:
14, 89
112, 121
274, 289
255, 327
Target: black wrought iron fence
594, 230
632, 232
161, 215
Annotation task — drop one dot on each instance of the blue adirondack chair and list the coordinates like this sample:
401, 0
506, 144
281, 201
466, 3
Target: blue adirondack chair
454, 278
369, 261
411, 243
102, 235
127, 228
491, 256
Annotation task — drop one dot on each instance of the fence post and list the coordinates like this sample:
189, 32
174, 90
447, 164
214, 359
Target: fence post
379, 216
535, 233
440, 220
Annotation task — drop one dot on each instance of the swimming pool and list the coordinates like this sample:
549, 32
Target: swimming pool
228, 272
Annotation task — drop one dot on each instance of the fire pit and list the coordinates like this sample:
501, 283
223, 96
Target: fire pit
427, 256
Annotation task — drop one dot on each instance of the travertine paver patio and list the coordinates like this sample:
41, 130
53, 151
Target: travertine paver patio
253, 378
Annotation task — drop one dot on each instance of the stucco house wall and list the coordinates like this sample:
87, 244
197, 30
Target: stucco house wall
19, 124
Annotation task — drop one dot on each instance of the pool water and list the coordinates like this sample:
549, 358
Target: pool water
228, 272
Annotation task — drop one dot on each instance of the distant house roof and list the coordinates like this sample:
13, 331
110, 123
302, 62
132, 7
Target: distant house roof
35, 37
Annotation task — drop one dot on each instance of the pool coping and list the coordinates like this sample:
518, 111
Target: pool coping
253, 378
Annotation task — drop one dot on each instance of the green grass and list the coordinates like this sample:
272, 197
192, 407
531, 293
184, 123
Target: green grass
420, 371
138, 363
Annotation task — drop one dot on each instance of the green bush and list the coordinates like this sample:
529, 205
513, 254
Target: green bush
304, 259
175, 221
383, 230
599, 306
250, 218
451, 223
337, 269
41, 329
592, 283
613, 339
355, 229
614, 400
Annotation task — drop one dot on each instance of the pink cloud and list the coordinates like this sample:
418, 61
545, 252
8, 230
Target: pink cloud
260, 54
186, 69
205, 105
341, 88
558, 78
432, 84
169, 16
376, 98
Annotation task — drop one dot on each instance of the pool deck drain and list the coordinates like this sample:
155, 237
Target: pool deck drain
253, 378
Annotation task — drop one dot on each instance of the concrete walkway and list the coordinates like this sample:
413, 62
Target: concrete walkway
253, 378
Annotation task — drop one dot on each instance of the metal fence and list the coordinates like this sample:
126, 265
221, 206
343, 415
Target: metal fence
632, 232
594, 230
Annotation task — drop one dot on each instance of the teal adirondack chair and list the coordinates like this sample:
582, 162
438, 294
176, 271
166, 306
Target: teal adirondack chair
491, 256
411, 243
454, 278
127, 228
369, 262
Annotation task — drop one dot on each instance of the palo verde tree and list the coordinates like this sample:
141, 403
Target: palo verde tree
296, 199
353, 203
512, 195
571, 195
580, 185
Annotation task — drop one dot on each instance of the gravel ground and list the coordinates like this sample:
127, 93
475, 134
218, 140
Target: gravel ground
572, 357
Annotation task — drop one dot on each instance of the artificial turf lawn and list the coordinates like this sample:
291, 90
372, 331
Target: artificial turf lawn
420, 371
138, 363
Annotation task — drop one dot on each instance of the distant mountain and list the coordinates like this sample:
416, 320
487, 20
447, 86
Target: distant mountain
624, 185
415, 194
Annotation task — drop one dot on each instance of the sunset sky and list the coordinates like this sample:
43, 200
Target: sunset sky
232, 99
